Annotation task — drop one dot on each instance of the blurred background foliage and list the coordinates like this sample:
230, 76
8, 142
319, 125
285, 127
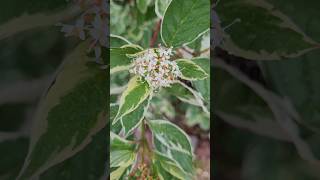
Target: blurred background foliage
266, 112
32, 48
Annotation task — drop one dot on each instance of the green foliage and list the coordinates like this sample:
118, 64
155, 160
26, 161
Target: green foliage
268, 35
170, 153
66, 136
184, 21
283, 101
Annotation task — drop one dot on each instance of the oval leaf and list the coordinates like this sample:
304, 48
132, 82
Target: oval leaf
168, 169
190, 70
203, 86
73, 110
119, 61
136, 92
161, 6
173, 142
185, 21
268, 35
133, 119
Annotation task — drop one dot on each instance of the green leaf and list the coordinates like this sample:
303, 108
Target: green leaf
161, 6
136, 92
185, 21
118, 173
119, 61
194, 116
203, 86
118, 41
268, 35
303, 14
190, 70
182, 93
170, 140
88, 164
73, 109
115, 128
161, 172
122, 151
168, 169
143, 5
132, 120
122, 155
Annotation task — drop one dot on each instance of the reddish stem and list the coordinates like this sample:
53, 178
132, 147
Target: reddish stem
155, 33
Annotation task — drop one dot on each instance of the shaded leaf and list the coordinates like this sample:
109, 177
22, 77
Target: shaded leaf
73, 109
88, 164
268, 35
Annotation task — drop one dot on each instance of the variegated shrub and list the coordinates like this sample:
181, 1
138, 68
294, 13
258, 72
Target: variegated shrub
146, 141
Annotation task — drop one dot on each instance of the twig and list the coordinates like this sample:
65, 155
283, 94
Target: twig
155, 33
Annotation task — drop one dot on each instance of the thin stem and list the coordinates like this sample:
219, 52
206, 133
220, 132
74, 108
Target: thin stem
155, 33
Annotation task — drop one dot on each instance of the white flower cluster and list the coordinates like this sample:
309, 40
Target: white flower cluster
91, 24
155, 67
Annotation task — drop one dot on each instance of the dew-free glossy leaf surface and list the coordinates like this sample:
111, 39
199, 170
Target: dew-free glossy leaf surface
190, 70
184, 21
137, 91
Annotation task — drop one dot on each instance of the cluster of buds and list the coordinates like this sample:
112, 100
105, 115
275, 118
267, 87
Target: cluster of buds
91, 24
155, 67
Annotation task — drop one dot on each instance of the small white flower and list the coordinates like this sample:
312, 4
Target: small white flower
154, 66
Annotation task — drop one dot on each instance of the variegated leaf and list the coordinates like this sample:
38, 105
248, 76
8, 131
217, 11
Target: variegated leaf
118, 41
122, 151
72, 111
118, 173
161, 6
168, 169
190, 70
115, 128
136, 92
122, 155
89, 164
184, 21
182, 93
268, 35
203, 86
133, 119
119, 61
170, 140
